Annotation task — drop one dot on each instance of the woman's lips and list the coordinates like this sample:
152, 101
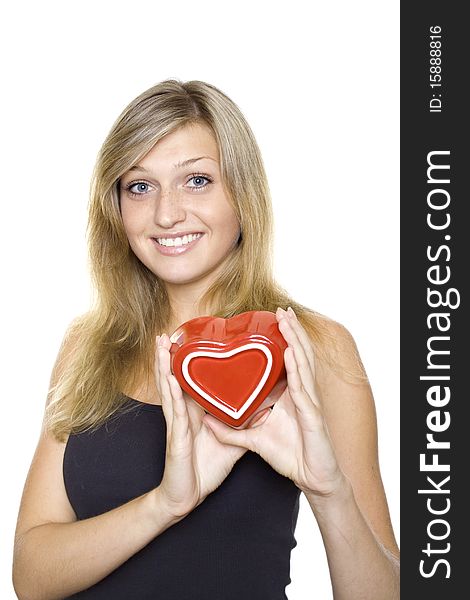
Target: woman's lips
175, 250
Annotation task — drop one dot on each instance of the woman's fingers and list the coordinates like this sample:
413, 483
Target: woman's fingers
244, 438
161, 374
296, 332
159, 381
303, 337
180, 426
195, 412
173, 402
304, 403
290, 329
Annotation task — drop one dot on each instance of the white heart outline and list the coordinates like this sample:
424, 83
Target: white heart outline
236, 414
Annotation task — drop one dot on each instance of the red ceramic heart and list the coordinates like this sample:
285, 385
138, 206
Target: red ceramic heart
232, 367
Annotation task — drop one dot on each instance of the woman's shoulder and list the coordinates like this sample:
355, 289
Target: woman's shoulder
334, 347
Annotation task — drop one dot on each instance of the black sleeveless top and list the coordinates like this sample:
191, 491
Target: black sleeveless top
235, 544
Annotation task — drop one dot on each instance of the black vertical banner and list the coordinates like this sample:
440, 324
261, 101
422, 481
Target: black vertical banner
435, 268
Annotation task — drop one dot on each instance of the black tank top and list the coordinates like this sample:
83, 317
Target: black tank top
236, 544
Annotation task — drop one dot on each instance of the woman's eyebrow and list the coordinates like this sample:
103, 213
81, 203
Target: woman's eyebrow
179, 165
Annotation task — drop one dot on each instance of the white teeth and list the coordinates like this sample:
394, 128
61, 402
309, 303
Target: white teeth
179, 241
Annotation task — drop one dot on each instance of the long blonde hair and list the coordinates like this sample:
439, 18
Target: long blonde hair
114, 343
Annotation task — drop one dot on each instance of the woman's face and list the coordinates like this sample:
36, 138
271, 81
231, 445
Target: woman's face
175, 211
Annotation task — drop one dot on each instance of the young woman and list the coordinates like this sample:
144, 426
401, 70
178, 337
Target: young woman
134, 491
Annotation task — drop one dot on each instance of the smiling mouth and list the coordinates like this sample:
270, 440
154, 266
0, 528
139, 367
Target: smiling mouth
178, 241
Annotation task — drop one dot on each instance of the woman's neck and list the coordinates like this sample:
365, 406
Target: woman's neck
185, 308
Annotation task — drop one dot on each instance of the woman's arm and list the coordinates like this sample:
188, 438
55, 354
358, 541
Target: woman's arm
55, 555
361, 567
354, 521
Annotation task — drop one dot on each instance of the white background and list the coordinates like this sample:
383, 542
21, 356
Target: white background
317, 81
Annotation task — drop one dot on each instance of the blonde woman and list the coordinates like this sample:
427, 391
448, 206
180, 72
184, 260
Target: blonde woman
134, 491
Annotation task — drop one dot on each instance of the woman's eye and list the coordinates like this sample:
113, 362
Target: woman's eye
199, 181
140, 187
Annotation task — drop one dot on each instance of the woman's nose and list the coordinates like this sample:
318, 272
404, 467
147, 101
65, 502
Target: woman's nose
169, 209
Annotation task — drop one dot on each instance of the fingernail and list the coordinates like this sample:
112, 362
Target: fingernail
291, 312
161, 340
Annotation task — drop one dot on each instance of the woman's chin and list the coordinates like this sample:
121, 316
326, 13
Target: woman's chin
182, 278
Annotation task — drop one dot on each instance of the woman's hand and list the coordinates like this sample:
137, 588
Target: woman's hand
292, 436
196, 461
